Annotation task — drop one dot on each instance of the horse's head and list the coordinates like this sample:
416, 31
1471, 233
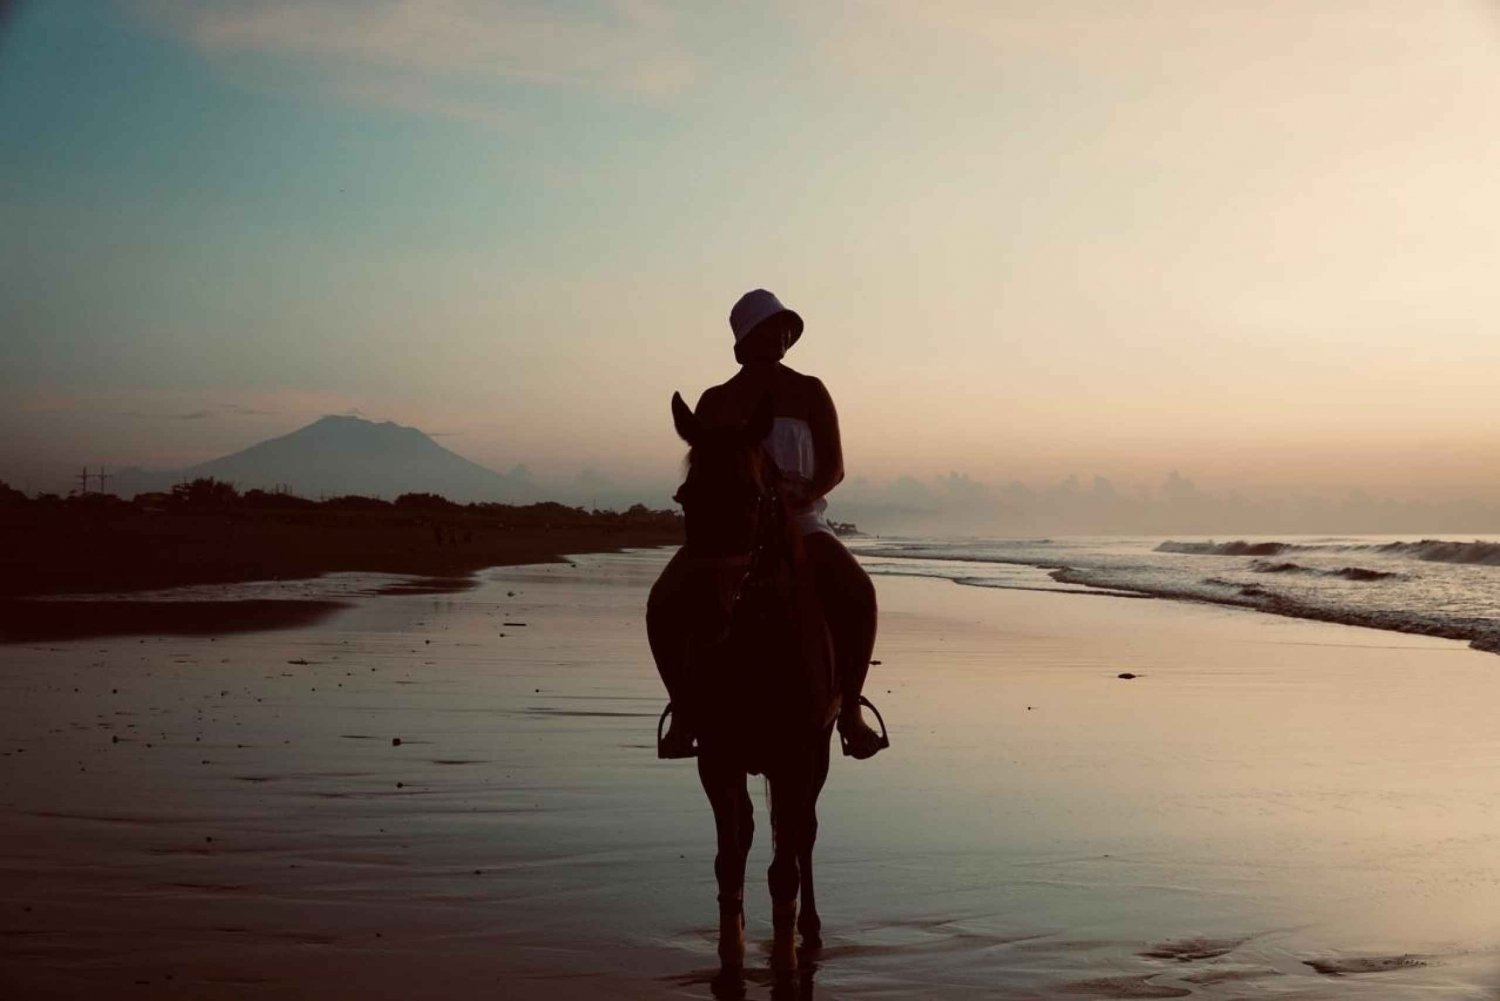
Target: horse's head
730, 480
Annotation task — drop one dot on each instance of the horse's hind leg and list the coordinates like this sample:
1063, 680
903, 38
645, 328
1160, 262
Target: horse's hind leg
734, 823
809, 924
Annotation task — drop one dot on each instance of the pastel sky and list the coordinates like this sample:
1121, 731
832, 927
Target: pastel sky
1257, 243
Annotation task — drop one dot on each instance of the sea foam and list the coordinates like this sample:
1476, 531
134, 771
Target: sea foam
1431, 587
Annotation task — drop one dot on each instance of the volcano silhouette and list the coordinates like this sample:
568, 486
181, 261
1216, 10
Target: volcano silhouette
338, 455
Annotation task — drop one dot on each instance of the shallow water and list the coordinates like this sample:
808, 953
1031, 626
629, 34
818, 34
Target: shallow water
1445, 586
1267, 794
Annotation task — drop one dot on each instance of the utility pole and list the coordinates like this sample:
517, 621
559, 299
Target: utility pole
83, 481
103, 478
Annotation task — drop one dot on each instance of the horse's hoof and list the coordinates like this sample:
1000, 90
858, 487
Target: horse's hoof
812, 934
783, 954
732, 941
784, 941
728, 983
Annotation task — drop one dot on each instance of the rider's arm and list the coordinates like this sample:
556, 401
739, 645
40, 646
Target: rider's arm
824, 422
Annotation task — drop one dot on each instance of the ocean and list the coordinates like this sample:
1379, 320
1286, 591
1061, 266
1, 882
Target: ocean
1441, 586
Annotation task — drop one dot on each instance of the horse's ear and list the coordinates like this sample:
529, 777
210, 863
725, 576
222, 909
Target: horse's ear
760, 422
687, 423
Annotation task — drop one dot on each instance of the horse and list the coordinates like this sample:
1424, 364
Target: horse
761, 687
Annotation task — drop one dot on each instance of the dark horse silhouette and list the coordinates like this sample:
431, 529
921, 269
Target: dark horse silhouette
761, 691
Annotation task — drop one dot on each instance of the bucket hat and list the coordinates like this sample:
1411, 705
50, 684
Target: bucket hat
755, 308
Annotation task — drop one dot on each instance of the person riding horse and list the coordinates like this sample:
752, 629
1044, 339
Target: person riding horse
804, 444
762, 624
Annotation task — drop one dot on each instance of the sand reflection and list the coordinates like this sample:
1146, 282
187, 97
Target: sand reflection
1272, 808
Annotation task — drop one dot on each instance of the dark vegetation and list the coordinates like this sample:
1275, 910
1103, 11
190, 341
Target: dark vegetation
206, 531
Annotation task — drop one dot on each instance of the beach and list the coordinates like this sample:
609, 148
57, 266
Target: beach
455, 793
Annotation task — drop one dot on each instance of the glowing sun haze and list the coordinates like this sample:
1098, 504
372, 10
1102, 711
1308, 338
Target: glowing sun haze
1253, 243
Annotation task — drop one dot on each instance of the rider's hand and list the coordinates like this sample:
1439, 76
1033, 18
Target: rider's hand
797, 491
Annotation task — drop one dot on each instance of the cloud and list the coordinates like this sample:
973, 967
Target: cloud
192, 415
216, 410
243, 411
444, 57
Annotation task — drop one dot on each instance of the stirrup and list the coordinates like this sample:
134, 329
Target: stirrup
885, 740
661, 751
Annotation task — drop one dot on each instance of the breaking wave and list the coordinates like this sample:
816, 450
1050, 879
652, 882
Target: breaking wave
1225, 548
1480, 632
1438, 551
1266, 566
1360, 573
1346, 573
1476, 553
1432, 587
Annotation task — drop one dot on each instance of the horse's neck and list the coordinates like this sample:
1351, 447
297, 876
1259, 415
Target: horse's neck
781, 560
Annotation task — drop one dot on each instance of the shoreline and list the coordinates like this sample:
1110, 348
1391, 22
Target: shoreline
69, 570
85, 591
78, 548
1478, 631
38, 618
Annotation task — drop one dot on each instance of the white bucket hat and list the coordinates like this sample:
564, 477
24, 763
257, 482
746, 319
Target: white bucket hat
755, 308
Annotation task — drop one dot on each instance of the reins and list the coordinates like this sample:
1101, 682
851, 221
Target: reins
767, 522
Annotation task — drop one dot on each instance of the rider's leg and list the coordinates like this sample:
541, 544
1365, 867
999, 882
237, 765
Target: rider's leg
848, 599
666, 631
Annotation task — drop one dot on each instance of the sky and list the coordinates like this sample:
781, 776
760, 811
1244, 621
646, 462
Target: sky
1254, 246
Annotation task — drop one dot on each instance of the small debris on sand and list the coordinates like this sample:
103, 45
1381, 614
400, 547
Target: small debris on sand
1364, 964
1191, 949
1123, 987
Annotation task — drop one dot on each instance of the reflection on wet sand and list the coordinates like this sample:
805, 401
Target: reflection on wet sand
401, 802
736, 983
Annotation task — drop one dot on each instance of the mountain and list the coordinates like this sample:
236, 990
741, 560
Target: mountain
338, 455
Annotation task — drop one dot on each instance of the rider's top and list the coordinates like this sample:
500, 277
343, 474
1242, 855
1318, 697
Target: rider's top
790, 444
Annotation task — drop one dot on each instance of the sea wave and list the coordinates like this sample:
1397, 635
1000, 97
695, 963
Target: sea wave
1360, 573
1372, 581
1438, 551
1479, 632
1266, 566
1475, 553
1238, 548
1346, 573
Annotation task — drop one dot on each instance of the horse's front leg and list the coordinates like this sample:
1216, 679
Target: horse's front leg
791, 810
734, 823
809, 924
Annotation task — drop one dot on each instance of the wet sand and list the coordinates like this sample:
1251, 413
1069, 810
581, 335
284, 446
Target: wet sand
1272, 808
25, 621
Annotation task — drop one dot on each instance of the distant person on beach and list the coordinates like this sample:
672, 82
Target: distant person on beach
804, 443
